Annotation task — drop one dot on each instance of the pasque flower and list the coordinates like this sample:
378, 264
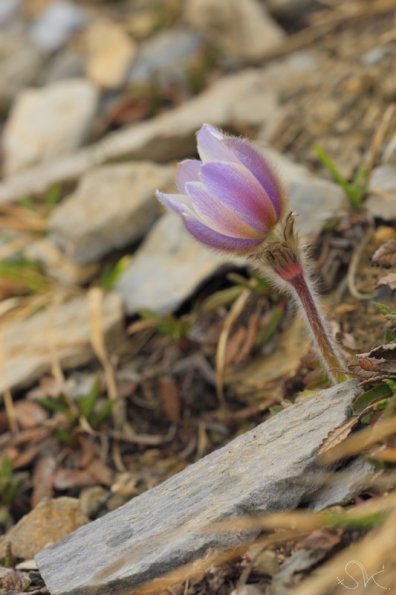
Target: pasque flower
230, 199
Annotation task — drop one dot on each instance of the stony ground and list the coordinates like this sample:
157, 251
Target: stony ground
127, 350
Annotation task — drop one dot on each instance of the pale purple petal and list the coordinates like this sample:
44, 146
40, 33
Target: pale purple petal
187, 171
257, 165
219, 217
238, 189
180, 203
211, 147
208, 236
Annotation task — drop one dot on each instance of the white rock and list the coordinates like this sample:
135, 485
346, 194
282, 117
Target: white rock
48, 122
110, 51
240, 29
60, 333
56, 24
381, 201
113, 206
168, 268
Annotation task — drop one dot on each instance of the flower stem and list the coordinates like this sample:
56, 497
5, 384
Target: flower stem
331, 357
286, 263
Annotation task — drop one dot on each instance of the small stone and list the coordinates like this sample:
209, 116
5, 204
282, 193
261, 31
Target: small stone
48, 122
9, 9
272, 467
57, 265
20, 64
56, 24
62, 332
381, 201
113, 206
48, 523
164, 57
167, 268
240, 29
110, 51
264, 561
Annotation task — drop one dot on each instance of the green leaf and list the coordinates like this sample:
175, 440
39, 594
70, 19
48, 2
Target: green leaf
264, 336
86, 404
6, 469
353, 193
111, 274
377, 393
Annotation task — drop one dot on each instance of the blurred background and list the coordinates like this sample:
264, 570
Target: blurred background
127, 350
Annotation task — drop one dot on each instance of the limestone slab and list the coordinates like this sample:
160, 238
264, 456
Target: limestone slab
112, 206
271, 467
62, 333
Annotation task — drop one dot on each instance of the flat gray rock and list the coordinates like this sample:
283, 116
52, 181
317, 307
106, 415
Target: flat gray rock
240, 29
48, 122
112, 206
272, 467
59, 333
167, 268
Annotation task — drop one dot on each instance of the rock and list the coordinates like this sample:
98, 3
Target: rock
381, 201
49, 522
164, 57
9, 9
345, 485
57, 265
109, 53
313, 199
61, 331
47, 122
240, 29
114, 205
56, 24
248, 98
272, 467
167, 269
20, 64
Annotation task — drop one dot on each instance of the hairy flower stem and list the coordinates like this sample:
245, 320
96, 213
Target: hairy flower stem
286, 264
314, 318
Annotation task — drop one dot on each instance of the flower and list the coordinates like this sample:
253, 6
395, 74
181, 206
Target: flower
231, 199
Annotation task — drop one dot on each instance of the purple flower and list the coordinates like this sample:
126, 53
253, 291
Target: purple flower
230, 199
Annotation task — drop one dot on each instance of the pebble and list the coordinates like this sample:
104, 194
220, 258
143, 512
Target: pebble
240, 29
165, 57
113, 206
48, 523
381, 201
109, 53
20, 64
56, 24
48, 122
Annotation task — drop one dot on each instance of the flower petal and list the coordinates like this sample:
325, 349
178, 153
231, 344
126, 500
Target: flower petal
208, 236
211, 147
180, 203
257, 165
187, 171
217, 216
241, 192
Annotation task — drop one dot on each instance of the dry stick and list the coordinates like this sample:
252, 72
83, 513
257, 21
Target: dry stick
95, 299
235, 311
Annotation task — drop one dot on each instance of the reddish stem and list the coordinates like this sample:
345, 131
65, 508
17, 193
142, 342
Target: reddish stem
326, 346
